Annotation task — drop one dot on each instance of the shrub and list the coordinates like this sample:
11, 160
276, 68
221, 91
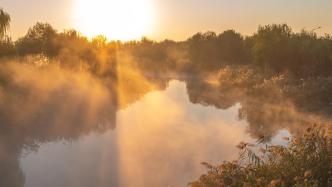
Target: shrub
305, 161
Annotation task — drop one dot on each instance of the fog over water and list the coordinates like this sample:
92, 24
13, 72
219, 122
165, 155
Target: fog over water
160, 139
64, 128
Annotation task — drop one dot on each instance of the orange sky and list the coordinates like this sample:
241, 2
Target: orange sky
178, 20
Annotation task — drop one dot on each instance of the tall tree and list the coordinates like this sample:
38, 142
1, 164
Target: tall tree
4, 22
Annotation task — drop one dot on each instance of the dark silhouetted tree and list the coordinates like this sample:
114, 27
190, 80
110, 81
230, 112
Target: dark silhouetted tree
4, 22
7, 47
232, 47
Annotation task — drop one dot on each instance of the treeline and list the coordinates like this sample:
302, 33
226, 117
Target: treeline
153, 57
68, 49
273, 48
209, 51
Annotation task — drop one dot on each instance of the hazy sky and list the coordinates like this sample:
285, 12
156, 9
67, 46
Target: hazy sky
178, 19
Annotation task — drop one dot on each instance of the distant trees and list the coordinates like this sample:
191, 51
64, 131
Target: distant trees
312, 55
39, 39
152, 57
277, 48
273, 48
211, 51
69, 49
204, 52
232, 47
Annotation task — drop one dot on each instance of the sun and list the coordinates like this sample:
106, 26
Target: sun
116, 19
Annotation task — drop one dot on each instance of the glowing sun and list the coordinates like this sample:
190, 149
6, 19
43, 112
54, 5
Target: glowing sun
116, 19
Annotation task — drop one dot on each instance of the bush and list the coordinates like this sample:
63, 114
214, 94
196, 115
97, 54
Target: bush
305, 161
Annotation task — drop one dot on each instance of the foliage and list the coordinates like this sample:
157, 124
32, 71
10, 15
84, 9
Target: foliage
209, 51
4, 22
77, 52
303, 54
232, 47
310, 94
305, 161
39, 39
69, 49
272, 48
7, 47
153, 57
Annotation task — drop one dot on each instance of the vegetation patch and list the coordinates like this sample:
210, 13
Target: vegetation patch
305, 161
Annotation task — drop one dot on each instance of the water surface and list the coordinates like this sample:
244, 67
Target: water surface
158, 139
